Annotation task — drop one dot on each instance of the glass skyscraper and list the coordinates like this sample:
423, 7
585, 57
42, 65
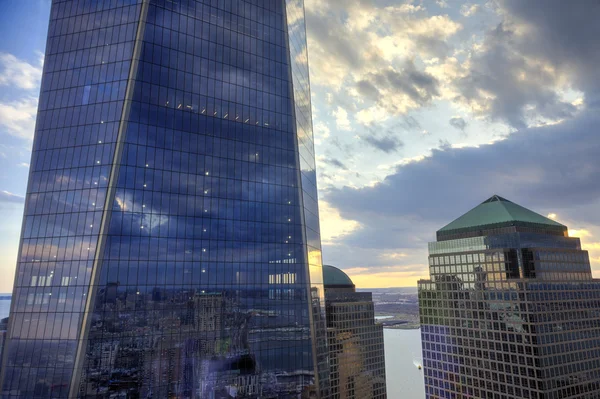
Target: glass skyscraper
511, 310
170, 245
356, 354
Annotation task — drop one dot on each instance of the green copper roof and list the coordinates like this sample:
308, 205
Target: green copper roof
497, 210
334, 276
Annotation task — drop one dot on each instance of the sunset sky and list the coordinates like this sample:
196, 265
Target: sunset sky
421, 110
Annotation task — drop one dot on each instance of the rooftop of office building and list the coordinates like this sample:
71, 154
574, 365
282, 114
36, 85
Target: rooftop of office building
336, 278
497, 212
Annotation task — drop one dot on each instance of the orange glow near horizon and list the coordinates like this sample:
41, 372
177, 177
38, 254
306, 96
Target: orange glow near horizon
388, 279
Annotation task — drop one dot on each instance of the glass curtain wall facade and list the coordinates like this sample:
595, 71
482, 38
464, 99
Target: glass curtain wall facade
170, 244
356, 351
511, 309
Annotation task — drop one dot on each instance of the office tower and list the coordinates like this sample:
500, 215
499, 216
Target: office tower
511, 310
356, 355
170, 244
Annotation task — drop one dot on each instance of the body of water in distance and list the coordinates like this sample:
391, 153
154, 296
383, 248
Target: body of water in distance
402, 358
4, 307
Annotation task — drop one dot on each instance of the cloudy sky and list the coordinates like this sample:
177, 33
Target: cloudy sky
422, 109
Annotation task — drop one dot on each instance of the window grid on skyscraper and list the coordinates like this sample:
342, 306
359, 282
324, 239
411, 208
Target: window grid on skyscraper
172, 175
509, 312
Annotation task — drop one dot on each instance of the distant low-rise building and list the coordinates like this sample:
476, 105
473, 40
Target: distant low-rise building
511, 309
356, 353
3, 328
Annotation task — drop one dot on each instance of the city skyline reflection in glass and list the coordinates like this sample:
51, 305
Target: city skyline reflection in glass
171, 244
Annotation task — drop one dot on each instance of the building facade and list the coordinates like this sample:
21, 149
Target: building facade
170, 244
511, 309
356, 351
3, 327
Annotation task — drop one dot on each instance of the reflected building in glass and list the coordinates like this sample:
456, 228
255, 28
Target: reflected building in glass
511, 310
170, 245
356, 351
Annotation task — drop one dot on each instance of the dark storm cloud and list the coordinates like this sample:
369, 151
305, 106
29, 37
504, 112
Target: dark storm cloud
388, 87
323, 176
433, 46
335, 162
512, 81
458, 123
410, 123
367, 89
387, 144
419, 86
549, 169
565, 34
334, 38
515, 76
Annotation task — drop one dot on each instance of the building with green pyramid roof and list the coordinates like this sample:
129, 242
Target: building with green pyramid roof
510, 310
499, 213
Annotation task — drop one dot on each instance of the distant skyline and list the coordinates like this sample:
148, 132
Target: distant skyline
420, 109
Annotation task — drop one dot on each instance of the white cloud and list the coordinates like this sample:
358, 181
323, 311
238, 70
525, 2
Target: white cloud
341, 118
19, 73
333, 226
19, 117
369, 58
393, 255
436, 26
371, 115
17, 114
509, 67
447, 72
321, 132
581, 233
468, 10
6, 196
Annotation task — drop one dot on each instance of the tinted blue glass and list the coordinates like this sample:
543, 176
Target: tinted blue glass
204, 277
306, 157
199, 265
171, 243
87, 62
